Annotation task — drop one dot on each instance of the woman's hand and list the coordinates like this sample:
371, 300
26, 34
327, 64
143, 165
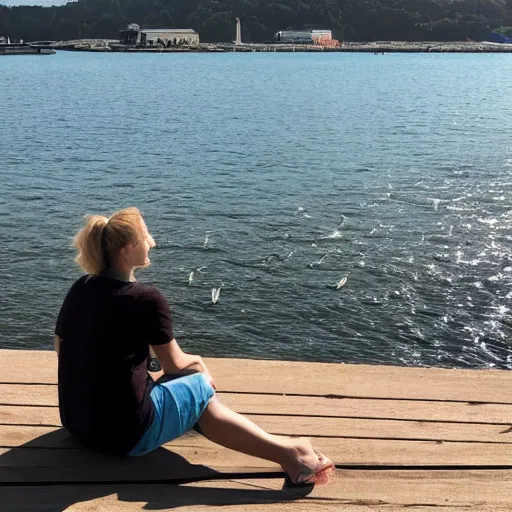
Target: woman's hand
174, 360
199, 365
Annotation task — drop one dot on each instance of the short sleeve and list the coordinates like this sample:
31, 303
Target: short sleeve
159, 319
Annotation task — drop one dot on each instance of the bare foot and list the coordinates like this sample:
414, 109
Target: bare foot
305, 465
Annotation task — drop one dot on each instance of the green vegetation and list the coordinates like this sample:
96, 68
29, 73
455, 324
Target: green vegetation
354, 20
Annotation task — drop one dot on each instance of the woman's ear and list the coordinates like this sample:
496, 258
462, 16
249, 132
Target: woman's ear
124, 252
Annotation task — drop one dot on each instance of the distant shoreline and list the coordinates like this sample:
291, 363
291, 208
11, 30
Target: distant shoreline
100, 45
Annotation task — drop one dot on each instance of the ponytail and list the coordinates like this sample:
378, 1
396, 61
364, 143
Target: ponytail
88, 242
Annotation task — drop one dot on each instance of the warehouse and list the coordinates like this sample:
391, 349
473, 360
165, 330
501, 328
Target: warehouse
135, 35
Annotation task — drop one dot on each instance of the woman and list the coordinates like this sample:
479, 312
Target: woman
105, 329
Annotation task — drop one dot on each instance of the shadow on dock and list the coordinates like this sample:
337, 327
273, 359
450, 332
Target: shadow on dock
54, 472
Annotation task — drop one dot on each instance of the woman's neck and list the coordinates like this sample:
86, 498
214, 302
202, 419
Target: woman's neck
119, 274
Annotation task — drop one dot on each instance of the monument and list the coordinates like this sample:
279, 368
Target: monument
238, 39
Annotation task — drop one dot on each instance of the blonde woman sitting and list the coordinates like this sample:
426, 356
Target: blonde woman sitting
108, 315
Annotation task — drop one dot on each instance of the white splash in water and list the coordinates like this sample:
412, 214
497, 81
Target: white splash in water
334, 234
206, 240
300, 211
190, 278
490, 222
501, 310
216, 294
435, 202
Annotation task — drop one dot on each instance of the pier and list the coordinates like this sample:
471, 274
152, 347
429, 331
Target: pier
379, 47
402, 439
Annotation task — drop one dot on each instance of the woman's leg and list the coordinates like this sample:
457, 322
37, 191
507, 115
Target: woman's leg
181, 401
232, 430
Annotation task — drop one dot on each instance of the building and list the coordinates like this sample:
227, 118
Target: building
303, 36
134, 35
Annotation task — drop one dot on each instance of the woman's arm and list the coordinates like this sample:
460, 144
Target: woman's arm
56, 344
173, 360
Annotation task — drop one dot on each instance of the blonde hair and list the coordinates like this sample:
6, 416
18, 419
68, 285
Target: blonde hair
101, 239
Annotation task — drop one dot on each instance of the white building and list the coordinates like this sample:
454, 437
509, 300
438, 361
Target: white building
302, 36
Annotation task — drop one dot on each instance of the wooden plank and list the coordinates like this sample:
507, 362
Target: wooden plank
12, 417
29, 394
38, 460
384, 429
198, 450
23, 415
373, 452
353, 491
365, 408
46, 395
322, 379
234, 495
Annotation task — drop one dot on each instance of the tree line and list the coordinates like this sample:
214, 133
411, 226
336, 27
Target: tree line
351, 20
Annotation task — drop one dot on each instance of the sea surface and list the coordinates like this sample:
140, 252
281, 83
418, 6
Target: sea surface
351, 207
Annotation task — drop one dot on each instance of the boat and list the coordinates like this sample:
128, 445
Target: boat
24, 49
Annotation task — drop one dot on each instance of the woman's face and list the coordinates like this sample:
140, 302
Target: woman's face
139, 250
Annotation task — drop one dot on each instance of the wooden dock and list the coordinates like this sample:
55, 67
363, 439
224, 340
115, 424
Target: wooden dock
402, 439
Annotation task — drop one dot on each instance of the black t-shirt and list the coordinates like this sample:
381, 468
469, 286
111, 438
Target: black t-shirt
106, 327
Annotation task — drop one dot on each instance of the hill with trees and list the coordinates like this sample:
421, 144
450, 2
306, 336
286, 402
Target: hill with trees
353, 20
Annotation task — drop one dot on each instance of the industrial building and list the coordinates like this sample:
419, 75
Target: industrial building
134, 35
303, 36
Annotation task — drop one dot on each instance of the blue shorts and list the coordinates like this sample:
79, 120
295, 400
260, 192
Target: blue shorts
178, 405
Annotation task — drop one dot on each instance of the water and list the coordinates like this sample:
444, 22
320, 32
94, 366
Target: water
275, 175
